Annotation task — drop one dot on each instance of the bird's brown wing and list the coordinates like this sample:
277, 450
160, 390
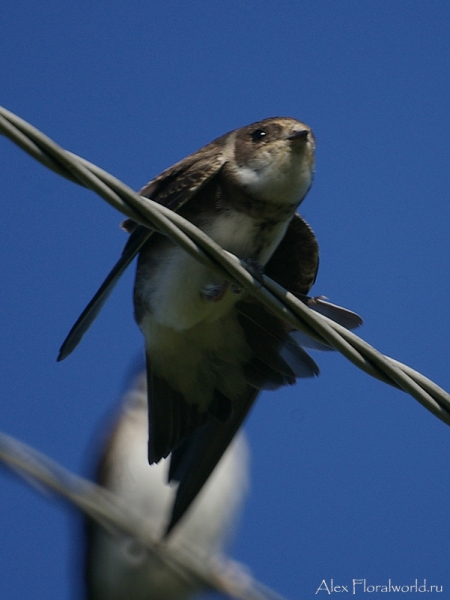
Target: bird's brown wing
194, 459
173, 188
295, 262
180, 182
170, 418
278, 359
294, 266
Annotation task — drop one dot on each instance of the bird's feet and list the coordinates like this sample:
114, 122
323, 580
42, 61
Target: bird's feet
215, 293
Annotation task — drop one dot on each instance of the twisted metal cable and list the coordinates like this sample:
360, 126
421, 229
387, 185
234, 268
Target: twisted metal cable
100, 504
118, 518
199, 245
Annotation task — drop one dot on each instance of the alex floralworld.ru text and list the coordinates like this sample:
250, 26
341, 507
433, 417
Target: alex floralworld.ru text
361, 586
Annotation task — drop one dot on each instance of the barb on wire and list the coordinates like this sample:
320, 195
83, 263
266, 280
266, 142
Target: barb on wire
213, 572
198, 244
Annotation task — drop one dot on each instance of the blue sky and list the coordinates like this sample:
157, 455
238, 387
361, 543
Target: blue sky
350, 477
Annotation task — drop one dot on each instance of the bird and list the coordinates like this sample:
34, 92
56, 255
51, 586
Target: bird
117, 567
211, 347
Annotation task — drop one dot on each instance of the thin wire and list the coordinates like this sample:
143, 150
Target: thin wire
119, 518
199, 245
100, 504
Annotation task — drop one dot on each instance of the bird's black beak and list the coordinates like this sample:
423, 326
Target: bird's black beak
300, 134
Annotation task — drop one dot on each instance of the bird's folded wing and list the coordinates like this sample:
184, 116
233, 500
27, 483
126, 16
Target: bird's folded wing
195, 458
135, 242
172, 188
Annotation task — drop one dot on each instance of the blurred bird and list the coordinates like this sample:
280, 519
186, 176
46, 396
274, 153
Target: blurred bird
210, 346
118, 567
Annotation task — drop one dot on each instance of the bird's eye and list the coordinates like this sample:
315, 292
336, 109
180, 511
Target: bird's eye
258, 135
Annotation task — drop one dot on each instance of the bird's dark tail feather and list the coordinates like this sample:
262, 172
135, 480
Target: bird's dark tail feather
194, 459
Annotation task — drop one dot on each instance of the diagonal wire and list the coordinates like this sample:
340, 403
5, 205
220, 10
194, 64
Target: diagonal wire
102, 505
213, 572
199, 245
204, 249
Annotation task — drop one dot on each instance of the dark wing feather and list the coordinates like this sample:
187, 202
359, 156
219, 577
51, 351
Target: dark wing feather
338, 314
295, 262
194, 459
179, 183
260, 377
173, 188
278, 360
170, 418
294, 266
343, 316
221, 407
135, 242
273, 348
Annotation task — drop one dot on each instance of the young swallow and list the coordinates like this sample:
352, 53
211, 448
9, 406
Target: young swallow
117, 567
210, 347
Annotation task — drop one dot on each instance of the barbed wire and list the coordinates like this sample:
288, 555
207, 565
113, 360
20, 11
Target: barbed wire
102, 505
118, 518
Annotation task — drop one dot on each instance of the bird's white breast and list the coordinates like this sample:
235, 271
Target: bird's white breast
282, 177
174, 291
